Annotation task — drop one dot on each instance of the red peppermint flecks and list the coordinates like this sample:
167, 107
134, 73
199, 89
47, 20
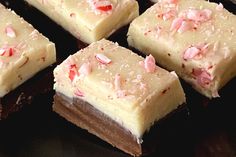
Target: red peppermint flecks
104, 5
203, 77
79, 93
10, 32
7, 52
102, 58
105, 8
72, 71
2, 51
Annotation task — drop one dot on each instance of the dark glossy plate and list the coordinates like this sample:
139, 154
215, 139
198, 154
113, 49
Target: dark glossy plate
205, 128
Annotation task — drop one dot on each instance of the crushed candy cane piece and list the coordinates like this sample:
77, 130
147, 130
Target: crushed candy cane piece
177, 22
195, 52
10, 32
185, 26
191, 52
103, 5
202, 76
102, 58
2, 51
79, 93
100, 6
199, 15
190, 19
85, 69
149, 64
7, 51
72, 71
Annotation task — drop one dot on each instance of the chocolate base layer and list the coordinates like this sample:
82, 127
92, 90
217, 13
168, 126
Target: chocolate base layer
84, 115
23, 95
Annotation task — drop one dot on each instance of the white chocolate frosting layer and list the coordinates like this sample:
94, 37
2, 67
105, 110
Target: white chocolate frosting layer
126, 87
195, 38
89, 20
23, 51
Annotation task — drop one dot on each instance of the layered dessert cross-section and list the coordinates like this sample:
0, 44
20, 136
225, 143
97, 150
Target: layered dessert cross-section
115, 94
195, 38
23, 53
89, 20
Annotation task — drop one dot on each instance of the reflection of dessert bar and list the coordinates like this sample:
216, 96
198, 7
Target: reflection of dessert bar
23, 53
194, 38
89, 20
115, 94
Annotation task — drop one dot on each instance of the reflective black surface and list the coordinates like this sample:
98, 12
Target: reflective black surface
205, 128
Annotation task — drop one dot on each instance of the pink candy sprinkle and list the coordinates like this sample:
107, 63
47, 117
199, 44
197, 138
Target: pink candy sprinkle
185, 26
191, 52
199, 15
149, 64
190, 19
79, 93
202, 76
72, 72
7, 51
10, 32
102, 58
176, 24
195, 52
85, 69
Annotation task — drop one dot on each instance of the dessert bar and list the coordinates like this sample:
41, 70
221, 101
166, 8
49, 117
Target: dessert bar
23, 53
194, 38
115, 94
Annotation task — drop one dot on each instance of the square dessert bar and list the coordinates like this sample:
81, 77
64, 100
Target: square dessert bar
115, 94
23, 52
89, 20
194, 38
